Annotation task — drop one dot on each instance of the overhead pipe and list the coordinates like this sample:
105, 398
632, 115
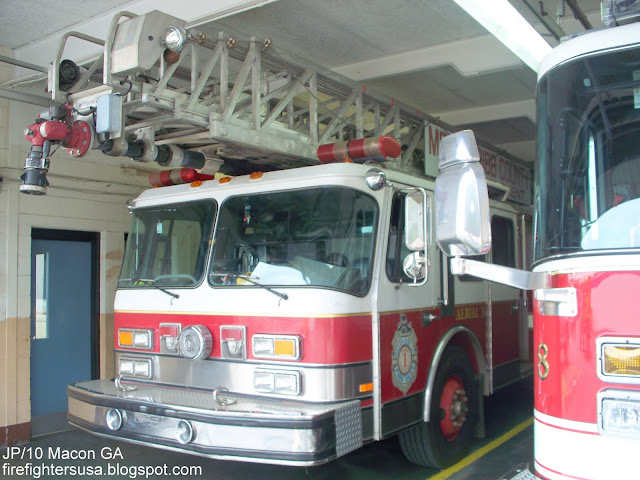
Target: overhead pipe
27, 98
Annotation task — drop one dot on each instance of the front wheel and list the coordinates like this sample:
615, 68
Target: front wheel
446, 438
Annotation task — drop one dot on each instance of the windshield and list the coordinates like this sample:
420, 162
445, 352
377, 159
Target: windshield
320, 237
167, 245
588, 170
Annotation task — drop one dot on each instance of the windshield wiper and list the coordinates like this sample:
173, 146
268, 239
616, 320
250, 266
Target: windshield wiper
249, 279
150, 282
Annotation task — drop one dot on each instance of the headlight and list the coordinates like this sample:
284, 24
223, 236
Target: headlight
126, 366
284, 382
142, 339
286, 347
135, 338
139, 368
619, 412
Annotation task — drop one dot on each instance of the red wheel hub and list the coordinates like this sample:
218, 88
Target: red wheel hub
455, 405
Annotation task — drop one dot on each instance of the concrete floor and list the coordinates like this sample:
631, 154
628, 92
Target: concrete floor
492, 458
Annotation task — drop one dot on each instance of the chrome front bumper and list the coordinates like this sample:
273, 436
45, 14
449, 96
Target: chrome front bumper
251, 429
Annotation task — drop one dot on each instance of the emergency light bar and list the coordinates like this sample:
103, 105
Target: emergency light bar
177, 176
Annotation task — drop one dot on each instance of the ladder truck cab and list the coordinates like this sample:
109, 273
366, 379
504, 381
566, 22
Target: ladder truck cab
586, 265
291, 316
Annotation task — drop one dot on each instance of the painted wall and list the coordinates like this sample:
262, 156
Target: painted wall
86, 194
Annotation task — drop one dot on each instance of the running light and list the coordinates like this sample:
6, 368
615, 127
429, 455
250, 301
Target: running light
125, 338
508, 26
169, 333
232, 342
621, 360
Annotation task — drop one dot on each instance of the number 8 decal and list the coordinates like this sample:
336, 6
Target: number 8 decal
543, 364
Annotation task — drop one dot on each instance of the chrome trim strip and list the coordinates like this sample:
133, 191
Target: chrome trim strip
375, 313
284, 363
333, 383
591, 261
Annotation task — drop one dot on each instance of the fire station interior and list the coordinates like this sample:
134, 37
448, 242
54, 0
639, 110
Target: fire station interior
414, 70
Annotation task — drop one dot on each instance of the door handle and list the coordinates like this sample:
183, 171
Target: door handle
427, 318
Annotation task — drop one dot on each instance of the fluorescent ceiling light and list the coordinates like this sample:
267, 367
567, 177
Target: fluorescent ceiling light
508, 26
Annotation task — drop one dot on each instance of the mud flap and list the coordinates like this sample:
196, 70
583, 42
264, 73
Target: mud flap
479, 431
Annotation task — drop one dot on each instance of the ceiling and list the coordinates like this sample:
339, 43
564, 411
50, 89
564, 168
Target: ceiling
428, 54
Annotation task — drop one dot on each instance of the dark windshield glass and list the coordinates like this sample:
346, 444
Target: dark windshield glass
588, 169
167, 245
318, 237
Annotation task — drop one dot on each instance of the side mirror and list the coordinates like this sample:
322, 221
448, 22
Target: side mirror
462, 202
417, 234
415, 266
417, 220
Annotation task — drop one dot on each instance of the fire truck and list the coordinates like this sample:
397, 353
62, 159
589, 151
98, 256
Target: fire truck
291, 316
586, 267
275, 315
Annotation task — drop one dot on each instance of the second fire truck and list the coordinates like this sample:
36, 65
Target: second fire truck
586, 269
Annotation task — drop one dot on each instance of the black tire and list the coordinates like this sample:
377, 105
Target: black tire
440, 443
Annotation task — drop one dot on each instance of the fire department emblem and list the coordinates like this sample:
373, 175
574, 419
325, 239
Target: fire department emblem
404, 355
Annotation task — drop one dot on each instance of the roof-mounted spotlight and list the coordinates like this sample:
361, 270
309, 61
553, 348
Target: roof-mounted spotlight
175, 38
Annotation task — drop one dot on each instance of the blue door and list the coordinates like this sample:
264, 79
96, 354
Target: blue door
61, 321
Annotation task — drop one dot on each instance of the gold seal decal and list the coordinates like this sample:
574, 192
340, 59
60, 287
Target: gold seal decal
404, 355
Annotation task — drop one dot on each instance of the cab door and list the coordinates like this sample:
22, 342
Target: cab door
408, 313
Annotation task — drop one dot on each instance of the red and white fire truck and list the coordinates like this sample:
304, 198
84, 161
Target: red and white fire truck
291, 316
278, 316
586, 267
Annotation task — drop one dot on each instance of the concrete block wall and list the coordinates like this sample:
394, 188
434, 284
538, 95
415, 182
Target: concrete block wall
86, 194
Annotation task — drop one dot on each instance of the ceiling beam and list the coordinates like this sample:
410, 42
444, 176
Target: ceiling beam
525, 150
471, 56
523, 108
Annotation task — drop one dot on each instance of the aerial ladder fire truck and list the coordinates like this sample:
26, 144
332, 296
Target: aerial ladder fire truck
586, 265
280, 299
